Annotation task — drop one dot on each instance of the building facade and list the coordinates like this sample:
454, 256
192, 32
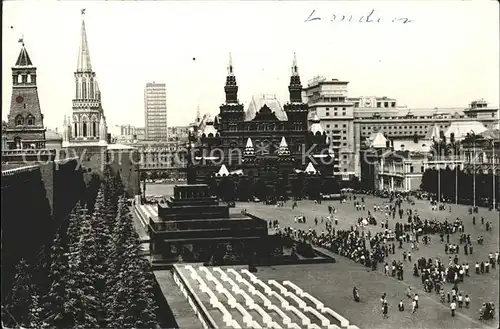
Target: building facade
155, 111
24, 128
328, 100
266, 142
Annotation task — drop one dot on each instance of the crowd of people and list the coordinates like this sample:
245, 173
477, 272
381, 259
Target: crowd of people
360, 245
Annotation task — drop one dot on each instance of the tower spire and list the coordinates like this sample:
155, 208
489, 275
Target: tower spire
230, 66
295, 87
23, 59
83, 64
198, 114
231, 87
295, 69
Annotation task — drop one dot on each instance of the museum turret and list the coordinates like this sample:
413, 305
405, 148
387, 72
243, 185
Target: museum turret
231, 111
296, 110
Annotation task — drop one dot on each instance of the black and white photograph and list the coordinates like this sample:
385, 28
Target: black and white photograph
250, 164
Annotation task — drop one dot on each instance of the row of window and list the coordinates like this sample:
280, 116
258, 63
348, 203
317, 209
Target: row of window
29, 120
85, 132
24, 78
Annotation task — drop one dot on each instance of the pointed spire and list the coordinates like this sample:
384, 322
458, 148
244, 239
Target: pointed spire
310, 169
23, 59
65, 120
283, 148
295, 68
249, 149
198, 114
283, 142
223, 171
83, 64
230, 66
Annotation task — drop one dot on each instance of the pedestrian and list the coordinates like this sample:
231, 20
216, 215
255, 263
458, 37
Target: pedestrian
409, 256
414, 306
401, 306
415, 299
453, 306
385, 310
467, 301
460, 300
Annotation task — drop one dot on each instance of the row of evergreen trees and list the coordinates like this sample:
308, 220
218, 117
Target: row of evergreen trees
95, 276
465, 188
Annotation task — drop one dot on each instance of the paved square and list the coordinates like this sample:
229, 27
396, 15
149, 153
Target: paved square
332, 283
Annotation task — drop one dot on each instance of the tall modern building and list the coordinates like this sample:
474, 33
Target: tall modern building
155, 111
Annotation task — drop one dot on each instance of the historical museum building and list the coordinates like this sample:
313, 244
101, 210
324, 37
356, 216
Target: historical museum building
266, 142
24, 128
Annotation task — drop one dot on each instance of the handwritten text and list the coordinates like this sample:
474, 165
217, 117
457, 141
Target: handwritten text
370, 17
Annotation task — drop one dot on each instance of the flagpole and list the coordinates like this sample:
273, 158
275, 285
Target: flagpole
494, 175
474, 168
439, 176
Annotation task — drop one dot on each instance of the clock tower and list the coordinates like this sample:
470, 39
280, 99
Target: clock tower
24, 128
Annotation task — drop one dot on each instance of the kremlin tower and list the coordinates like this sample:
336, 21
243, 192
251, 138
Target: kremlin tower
24, 129
87, 124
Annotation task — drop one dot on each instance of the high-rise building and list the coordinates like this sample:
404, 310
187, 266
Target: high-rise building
24, 129
155, 111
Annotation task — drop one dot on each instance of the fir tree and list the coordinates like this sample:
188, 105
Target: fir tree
83, 299
19, 302
55, 303
130, 298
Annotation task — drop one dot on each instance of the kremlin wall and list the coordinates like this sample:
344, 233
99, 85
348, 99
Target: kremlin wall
36, 199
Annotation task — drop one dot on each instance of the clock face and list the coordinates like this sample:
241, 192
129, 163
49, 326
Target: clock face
367, 102
19, 99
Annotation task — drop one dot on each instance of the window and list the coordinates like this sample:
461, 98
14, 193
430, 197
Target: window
335, 113
19, 120
327, 114
30, 120
327, 126
84, 127
411, 169
344, 126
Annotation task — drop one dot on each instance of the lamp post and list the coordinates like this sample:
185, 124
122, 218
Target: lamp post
473, 135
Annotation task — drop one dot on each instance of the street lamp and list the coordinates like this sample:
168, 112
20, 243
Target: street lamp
473, 135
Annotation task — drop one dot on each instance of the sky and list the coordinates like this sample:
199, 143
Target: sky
447, 56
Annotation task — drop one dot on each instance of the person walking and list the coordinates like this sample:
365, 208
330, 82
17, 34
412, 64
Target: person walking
453, 307
385, 310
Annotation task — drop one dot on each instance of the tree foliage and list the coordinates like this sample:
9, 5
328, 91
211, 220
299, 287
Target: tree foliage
96, 276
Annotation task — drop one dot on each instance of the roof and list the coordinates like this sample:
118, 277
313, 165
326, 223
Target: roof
378, 140
433, 133
316, 125
23, 59
422, 146
310, 168
52, 135
223, 171
258, 101
120, 147
209, 129
83, 64
491, 134
461, 128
